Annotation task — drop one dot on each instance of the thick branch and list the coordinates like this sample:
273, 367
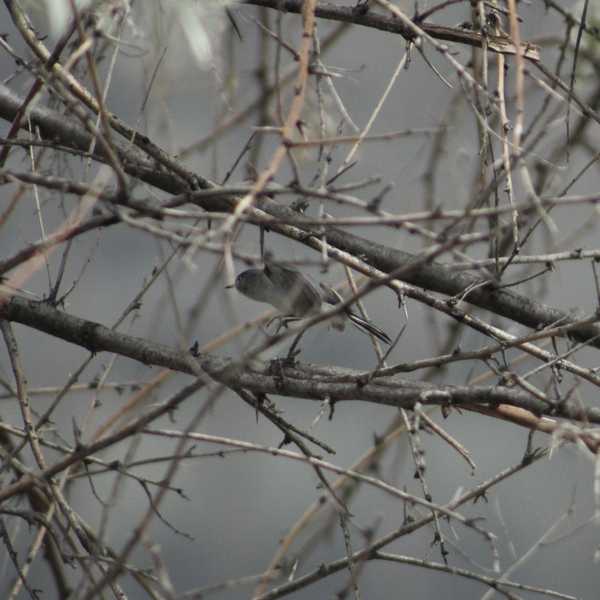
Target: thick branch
302, 381
431, 276
55, 126
374, 20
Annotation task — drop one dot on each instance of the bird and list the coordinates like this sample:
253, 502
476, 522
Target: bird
296, 297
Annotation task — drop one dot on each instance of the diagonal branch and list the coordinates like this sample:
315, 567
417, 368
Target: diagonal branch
374, 20
432, 276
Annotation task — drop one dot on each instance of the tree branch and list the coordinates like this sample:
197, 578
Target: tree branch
430, 275
369, 18
300, 381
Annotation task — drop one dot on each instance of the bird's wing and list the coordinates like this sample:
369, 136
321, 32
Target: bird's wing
296, 293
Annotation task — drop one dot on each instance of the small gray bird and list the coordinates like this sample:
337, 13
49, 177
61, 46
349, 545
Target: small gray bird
294, 295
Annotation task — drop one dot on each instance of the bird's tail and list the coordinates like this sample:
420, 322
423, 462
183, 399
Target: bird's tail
333, 297
368, 327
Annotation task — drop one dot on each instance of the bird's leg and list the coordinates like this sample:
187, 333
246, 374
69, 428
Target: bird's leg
292, 352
